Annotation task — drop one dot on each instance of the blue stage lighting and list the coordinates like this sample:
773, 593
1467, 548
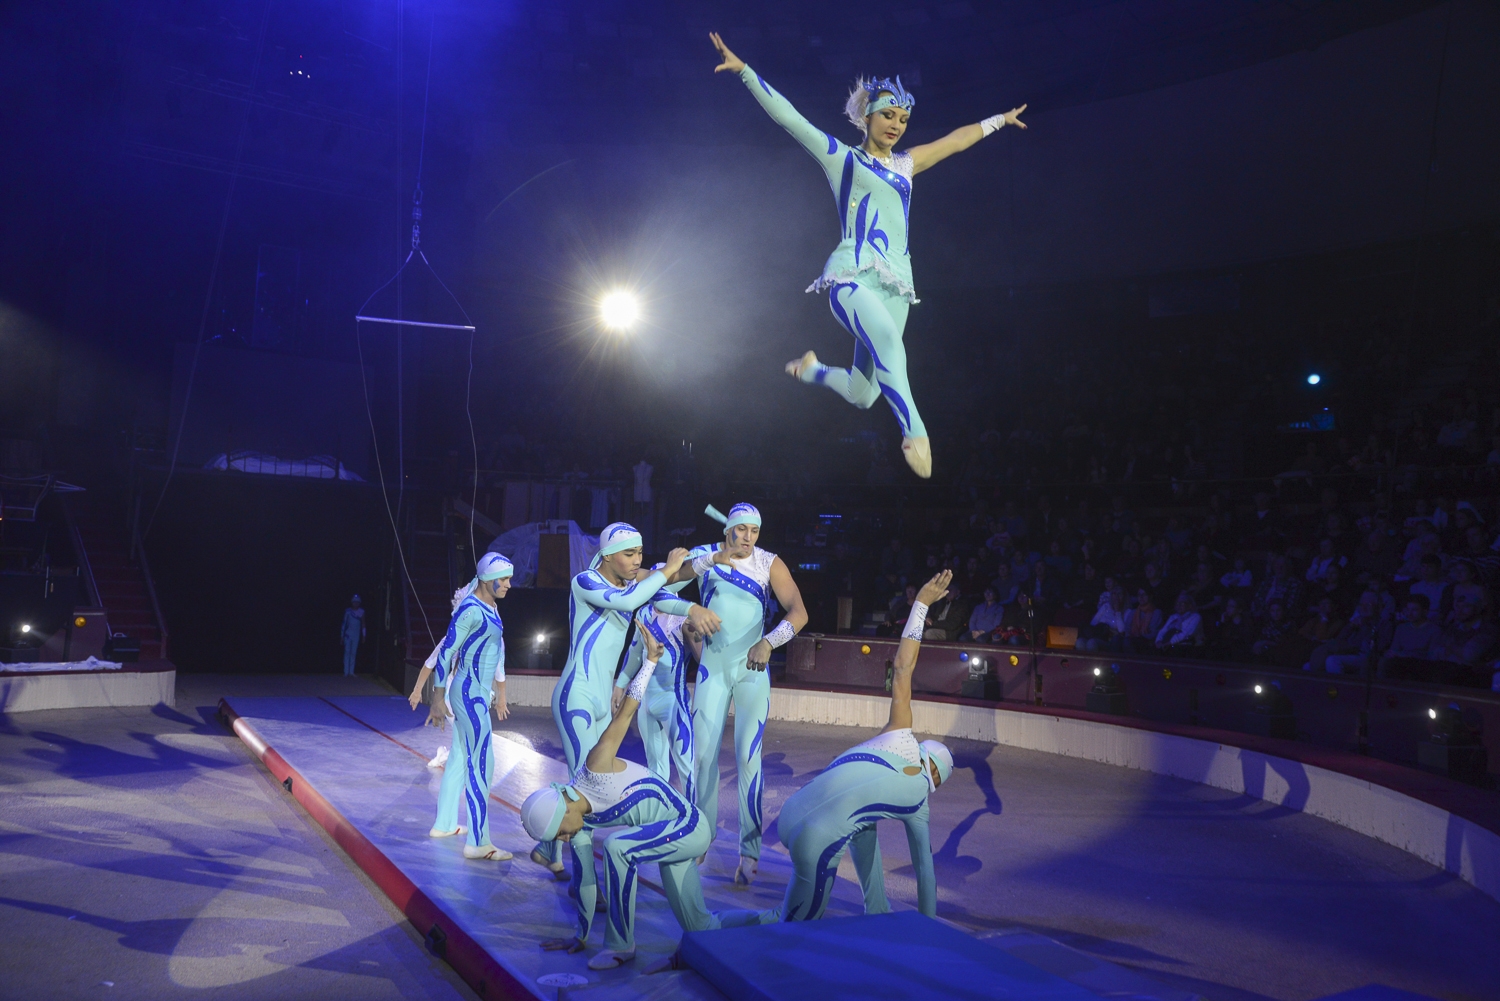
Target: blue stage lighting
1314, 379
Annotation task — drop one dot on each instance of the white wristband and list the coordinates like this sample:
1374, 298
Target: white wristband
992, 123
781, 635
637, 689
916, 622
702, 563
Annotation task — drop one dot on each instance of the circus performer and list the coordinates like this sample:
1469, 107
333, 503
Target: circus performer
653, 822
868, 276
468, 671
601, 607
666, 719
741, 583
888, 777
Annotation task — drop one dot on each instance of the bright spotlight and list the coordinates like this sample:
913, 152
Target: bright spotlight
1258, 689
1097, 672
1432, 714
1314, 379
26, 628
619, 310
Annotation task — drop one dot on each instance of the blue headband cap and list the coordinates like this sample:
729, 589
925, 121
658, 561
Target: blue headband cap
895, 96
616, 539
740, 514
493, 566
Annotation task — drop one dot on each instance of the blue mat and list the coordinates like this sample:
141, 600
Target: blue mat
904, 957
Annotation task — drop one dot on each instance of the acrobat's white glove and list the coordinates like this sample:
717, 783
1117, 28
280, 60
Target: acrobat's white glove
637, 689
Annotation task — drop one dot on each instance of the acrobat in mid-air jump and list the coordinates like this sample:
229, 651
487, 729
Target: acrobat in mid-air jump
868, 276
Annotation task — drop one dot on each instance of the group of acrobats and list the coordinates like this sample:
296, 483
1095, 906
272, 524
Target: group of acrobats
634, 641
634, 644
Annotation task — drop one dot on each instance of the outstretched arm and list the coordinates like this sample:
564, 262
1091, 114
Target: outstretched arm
813, 139
960, 139
602, 758
911, 644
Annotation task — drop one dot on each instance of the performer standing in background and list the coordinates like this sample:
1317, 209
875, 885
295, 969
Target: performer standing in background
868, 277
656, 825
738, 581
352, 632
602, 604
888, 777
468, 672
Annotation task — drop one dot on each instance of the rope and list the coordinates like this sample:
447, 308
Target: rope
213, 271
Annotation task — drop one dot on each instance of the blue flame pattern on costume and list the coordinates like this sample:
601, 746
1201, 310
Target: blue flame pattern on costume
666, 715
470, 658
868, 276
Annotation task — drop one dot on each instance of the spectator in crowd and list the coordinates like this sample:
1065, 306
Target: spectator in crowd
948, 616
1264, 529
1431, 583
1058, 561
1327, 558
1466, 583
1270, 643
1080, 597
973, 578
1044, 591
1332, 586
1462, 645
986, 618
1375, 558
1107, 628
1323, 624
1485, 558
1239, 578
1142, 623
1152, 579
1233, 631
1280, 586
1206, 593
1004, 587
1413, 639
1364, 635
1183, 628
900, 610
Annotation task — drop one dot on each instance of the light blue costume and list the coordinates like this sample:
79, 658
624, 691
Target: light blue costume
470, 660
740, 594
654, 823
868, 276
352, 631
838, 810
599, 624
666, 716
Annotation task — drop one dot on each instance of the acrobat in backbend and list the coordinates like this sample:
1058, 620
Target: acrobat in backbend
888, 777
601, 607
868, 276
741, 583
666, 718
654, 824
468, 670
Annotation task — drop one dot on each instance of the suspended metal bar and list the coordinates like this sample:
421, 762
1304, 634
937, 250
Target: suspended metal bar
413, 323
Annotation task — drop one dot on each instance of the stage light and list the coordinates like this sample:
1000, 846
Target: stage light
619, 310
1314, 379
1258, 690
1432, 714
1098, 671
26, 627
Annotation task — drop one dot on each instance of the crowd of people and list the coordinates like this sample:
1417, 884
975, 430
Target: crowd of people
1398, 589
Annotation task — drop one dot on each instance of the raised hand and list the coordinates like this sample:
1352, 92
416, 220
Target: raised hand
675, 559
654, 649
1013, 116
935, 588
732, 63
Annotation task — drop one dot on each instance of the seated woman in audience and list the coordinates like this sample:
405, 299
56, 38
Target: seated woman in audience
1233, 631
1108, 625
1183, 628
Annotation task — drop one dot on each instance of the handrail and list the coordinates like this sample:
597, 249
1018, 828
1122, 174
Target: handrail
83, 561
161, 623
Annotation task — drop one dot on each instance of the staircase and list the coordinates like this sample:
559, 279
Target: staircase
123, 589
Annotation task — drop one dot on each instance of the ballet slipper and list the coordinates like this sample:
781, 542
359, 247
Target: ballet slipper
748, 870
435, 833
488, 853
556, 868
609, 960
918, 455
803, 368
